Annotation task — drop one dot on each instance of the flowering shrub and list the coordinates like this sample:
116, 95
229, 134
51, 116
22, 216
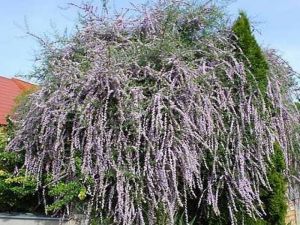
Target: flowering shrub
145, 114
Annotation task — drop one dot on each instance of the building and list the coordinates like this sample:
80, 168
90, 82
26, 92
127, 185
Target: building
10, 88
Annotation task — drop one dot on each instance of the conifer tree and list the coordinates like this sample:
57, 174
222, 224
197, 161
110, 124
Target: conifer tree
275, 199
257, 63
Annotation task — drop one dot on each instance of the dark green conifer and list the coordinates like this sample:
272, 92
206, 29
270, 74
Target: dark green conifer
275, 201
257, 63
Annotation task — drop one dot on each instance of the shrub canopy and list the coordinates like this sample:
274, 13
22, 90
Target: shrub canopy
146, 113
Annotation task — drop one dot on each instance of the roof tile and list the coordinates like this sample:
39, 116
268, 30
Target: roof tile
9, 90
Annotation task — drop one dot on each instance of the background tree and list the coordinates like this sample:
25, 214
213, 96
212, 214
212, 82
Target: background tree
275, 199
252, 54
17, 191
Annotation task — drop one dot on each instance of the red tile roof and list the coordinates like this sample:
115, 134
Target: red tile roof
9, 90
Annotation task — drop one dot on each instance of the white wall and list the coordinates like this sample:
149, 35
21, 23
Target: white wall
23, 219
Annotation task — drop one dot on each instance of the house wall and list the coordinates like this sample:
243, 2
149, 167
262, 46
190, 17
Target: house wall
293, 214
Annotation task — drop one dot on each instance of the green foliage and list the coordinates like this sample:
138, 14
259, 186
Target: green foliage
10, 160
275, 200
181, 220
162, 216
17, 192
9, 129
251, 221
257, 64
3, 139
102, 221
65, 193
297, 105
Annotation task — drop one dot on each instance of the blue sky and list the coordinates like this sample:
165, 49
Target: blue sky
277, 22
